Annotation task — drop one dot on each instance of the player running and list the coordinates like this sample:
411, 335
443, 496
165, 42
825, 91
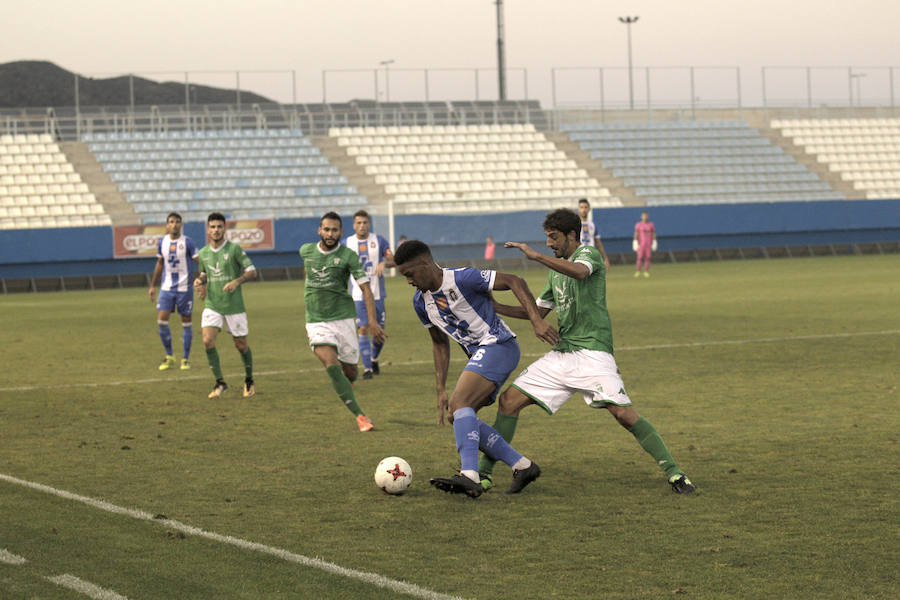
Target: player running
457, 303
374, 254
174, 254
224, 267
583, 360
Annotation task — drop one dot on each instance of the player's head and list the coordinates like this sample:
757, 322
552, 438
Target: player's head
562, 228
584, 208
644, 217
414, 261
330, 230
361, 224
215, 227
173, 224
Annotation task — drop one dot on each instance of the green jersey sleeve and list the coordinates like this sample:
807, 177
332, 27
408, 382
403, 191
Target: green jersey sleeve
590, 257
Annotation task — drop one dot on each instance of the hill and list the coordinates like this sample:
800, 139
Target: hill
35, 84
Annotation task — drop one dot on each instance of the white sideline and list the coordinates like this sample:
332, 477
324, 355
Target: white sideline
10, 558
315, 563
85, 587
819, 336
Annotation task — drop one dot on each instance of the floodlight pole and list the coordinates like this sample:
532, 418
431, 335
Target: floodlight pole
628, 21
387, 80
501, 57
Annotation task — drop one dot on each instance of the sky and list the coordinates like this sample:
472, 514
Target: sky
282, 48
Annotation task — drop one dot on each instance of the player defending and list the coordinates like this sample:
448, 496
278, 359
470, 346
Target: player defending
457, 302
644, 243
589, 235
224, 267
583, 360
374, 254
330, 311
173, 255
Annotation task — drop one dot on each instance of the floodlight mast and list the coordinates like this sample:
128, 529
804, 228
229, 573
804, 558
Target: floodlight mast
628, 21
501, 58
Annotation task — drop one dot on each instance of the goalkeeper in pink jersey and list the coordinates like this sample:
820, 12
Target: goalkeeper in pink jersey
644, 243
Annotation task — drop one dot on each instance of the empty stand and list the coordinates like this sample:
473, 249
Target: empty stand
39, 188
865, 152
698, 162
253, 173
469, 168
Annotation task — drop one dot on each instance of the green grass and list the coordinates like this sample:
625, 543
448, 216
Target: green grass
791, 437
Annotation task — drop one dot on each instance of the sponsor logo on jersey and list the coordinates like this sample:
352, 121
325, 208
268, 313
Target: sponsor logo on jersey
441, 302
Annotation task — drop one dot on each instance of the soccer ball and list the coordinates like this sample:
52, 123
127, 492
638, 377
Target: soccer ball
393, 475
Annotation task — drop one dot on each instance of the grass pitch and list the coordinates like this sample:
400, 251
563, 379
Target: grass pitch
774, 384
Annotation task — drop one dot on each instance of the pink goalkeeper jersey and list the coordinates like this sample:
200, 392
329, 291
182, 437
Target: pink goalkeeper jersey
644, 232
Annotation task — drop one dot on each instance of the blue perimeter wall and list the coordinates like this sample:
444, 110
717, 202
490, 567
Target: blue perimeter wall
76, 251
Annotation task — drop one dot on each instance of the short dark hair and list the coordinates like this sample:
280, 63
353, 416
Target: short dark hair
584, 201
332, 215
409, 250
563, 220
215, 217
361, 213
173, 214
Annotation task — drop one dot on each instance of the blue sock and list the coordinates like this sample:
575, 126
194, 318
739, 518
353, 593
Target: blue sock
493, 444
365, 351
376, 350
465, 430
165, 334
187, 336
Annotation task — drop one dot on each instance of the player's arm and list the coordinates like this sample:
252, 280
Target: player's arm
387, 263
200, 281
542, 329
157, 273
653, 244
599, 243
249, 274
375, 329
560, 265
440, 345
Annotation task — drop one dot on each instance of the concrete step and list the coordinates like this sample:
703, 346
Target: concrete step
355, 173
104, 189
595, 169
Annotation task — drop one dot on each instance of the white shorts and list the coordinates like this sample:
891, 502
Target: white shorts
552, 379
341, 334
235, 324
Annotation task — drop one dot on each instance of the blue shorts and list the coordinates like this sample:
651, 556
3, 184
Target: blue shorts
495, 363
362, 315
169, 300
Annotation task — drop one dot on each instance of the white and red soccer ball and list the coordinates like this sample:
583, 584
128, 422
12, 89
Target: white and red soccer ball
393, 475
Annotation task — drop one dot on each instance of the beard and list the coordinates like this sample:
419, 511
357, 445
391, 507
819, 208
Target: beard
329, 243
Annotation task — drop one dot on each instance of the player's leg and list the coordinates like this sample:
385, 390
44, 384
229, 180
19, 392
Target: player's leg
186, 310
165, 304
334, 344
239, 328
377, 347
211, 323
512, 401
365, 344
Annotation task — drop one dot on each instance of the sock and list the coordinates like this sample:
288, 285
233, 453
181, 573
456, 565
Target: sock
343, 388
653, 444
493, 445
165, 334
187, 336
506, 427
365, 351
466, 432
247, 357
212, 356
376, 350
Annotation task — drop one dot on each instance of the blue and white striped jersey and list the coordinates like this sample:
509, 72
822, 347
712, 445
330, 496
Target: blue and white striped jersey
371, 251
463, 309
177, 255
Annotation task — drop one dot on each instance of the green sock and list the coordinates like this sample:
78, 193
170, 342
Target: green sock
506, 427
247, 357
653, 444
343, 388
212, 356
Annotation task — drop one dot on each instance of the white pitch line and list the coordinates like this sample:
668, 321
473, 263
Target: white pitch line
85, 587
820, 336
10, 558
314, 563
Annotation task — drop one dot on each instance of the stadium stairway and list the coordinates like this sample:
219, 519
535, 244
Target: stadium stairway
593, 167
108, 195
806, 159
349, 168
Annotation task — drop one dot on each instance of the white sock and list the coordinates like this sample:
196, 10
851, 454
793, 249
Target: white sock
473, 475
522, 463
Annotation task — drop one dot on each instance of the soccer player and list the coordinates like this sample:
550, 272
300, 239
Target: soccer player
583, 360
224, 267
457, 303
173, 255
330, 310
644, 243
589, 235
374, 254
